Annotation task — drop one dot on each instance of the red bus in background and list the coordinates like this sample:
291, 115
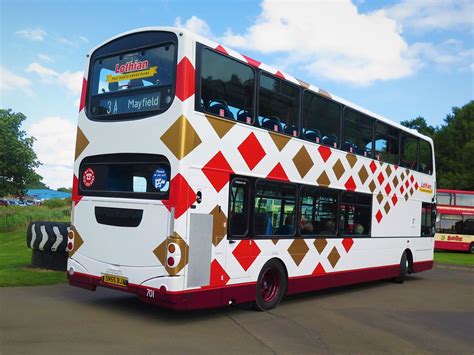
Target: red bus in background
455, 220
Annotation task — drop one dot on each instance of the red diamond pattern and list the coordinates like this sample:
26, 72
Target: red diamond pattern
394, 199
347, 243
380, 178
246, 253
280, 74
251, 150
251, 61
325, 152
388, 189
407, 183
319, 270
350, 184
221, 49
372, 166
278, 173
378, 216
82, 102
402, 189
416, 186
185, 79
412, 178
217, 170
218, 275
181, 196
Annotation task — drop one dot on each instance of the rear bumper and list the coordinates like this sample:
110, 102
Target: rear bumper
455, 246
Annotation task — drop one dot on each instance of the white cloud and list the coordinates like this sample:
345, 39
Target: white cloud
72, 81
196, 25
54, 145
445, 55
433, 14
10, 81
45, 58
33, 34
330, 39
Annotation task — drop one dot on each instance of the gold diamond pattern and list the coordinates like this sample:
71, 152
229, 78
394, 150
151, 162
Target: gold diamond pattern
334, 257
386, 207
181, 138
338, 169
279, 140
78, 241
372, 186
363, 174
320, 244
406, 197
81, 143
221, 126
402, 176
411, 191
388, 170
303, 161
379, 197
395, 181
323, 179
219, 225
324, 93
275, 241
298, 249
161, 251
351, 159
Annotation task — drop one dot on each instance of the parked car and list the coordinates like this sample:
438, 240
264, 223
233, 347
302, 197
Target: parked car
3, 202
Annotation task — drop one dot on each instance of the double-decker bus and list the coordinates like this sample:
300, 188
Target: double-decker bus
455, 220
205, 178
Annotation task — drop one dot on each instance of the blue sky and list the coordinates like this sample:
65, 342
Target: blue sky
400, 59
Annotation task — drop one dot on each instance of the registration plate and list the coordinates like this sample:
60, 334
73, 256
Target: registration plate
115, 280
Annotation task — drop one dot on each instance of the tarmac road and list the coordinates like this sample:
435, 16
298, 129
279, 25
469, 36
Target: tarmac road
432, 312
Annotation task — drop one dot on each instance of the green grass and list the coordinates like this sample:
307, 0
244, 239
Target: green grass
454, 258
13, 218
15, 258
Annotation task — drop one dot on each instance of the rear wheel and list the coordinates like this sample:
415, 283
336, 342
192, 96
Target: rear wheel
271, 285
404, 267
471, 248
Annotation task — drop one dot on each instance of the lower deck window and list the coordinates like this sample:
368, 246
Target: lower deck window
355, 214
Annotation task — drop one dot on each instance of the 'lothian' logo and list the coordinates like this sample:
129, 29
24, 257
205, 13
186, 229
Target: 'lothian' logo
131, 66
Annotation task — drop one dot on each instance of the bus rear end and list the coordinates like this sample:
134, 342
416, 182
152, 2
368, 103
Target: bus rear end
123, 233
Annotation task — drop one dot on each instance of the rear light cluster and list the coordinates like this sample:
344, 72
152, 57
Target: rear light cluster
70, 240
171, 260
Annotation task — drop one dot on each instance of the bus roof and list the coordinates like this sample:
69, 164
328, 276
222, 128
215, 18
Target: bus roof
271, 70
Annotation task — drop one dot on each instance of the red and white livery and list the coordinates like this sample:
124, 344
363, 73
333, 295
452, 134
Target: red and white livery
204, 178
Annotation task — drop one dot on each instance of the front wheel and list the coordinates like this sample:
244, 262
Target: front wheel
271, 285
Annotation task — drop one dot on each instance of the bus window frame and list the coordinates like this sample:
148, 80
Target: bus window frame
302, 117
130, 116
257, 103
250, 207
198, 73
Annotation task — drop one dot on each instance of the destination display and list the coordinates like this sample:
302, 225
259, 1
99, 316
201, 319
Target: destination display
130, 103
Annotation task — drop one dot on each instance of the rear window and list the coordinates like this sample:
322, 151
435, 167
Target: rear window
132, 77
125, 175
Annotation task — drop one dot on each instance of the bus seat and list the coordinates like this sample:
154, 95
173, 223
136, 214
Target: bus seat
312, 135
244, 116
330, 140
348, 146
290, 129
220, 108
136, 83
271, 123
114, 86
261, 224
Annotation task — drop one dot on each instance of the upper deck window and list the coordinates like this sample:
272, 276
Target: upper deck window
357, 133
132, 82
227, 87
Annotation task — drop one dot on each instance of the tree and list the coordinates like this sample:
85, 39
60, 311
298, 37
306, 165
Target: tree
420, 125
454, 147
65, 189
17, 157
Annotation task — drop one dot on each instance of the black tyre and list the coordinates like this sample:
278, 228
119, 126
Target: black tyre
404, 267
271, 285
471, 248
47, 236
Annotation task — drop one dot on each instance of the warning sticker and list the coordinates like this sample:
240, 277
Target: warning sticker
88, 177
159, 179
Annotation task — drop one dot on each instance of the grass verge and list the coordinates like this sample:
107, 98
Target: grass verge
454, 258
15, 258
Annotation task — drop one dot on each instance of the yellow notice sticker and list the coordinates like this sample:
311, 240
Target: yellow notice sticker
134, 75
